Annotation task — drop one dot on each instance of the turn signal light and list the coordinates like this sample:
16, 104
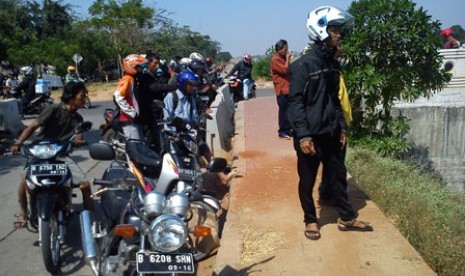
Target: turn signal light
125, 230
202, 231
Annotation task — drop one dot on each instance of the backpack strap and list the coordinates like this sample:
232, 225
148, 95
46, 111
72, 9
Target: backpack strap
175, 99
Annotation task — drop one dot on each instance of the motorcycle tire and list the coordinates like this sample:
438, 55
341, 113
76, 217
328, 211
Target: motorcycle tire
210, 220
50, 244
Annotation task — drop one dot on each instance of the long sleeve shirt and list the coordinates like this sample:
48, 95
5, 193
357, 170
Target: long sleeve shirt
185, 109
280, 74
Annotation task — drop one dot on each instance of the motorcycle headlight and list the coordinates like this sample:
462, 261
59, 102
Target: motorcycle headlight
191, 146
45, 151
167, 233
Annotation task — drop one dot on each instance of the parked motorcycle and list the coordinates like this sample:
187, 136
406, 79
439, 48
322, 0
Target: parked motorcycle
49, 185
147, 205
236, 88
38, 104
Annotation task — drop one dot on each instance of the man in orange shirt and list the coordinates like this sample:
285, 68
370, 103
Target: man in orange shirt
279, 67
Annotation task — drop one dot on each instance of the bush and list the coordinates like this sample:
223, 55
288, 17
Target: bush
427, 214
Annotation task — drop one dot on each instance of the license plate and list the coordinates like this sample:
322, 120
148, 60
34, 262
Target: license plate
49, 169
188, 174
150, 262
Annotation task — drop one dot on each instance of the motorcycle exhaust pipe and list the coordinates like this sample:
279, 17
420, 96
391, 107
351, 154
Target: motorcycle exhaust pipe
89, 246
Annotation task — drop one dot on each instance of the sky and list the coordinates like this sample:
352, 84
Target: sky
255, 25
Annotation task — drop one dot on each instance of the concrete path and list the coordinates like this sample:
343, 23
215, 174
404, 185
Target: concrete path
263, 234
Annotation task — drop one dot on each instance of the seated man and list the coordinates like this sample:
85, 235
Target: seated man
58, 121
181, 104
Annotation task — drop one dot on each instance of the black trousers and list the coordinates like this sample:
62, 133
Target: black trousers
329, 153
283, 122
325, 190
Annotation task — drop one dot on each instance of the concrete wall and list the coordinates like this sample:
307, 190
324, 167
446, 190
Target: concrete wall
438, 123
220, 130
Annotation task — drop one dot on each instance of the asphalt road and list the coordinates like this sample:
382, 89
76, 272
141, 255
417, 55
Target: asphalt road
19, 253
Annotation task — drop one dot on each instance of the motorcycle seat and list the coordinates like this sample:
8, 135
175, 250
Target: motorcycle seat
142, 155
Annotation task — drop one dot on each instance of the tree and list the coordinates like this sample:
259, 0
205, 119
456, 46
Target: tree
224, 56
124, 21
392, 54
182, 41
261, 66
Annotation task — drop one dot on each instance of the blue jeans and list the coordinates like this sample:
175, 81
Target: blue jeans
247, 85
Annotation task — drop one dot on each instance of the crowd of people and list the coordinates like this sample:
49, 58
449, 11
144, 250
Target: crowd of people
145, 80
311, 96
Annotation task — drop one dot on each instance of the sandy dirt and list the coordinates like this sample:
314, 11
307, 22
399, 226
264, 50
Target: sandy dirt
264, 230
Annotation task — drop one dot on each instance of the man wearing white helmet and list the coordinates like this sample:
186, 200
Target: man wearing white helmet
26, 87
315, 115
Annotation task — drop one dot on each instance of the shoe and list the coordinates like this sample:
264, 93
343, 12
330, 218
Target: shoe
284, 136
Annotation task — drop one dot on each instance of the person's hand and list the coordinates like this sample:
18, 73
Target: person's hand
78, 143
343, 140
307, 147
288, 55
15, 149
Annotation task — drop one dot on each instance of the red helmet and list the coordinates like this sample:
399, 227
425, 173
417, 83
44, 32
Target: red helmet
247, 58
131, 62
209, 61
446, 32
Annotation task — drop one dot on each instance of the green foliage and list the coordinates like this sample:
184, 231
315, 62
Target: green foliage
224, 56
182, 41
392, 54
36, 32
426, 212
261, 66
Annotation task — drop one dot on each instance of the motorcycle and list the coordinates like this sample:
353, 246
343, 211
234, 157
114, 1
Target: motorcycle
150, 198
236, 88
38, 104
49, 184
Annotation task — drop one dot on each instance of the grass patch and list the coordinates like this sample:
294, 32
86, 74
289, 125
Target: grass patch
429, 215
98, 91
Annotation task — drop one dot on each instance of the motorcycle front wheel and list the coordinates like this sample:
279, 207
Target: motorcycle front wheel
50, 244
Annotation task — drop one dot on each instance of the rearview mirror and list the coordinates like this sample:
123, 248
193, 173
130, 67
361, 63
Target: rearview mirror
83, 127
101, 151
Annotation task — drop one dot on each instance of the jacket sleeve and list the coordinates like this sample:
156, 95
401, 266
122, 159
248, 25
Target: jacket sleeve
278, 67
162, 87
233, 70
297, 99
122, 94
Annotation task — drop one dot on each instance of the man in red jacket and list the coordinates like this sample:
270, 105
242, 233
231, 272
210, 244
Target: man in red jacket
279, 67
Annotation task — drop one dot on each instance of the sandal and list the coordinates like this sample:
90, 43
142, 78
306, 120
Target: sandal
350, 225
21, 221
312, 234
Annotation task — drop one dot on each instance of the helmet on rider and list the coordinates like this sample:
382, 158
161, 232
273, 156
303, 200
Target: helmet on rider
27, 70
323, 17
71, 68
247, 58
197, 66
132, 61
187, 77
446, 32
196, 56
209, 61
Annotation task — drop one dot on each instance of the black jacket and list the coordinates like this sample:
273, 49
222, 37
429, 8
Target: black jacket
244, 70
314, 107
148, 88
27, 85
